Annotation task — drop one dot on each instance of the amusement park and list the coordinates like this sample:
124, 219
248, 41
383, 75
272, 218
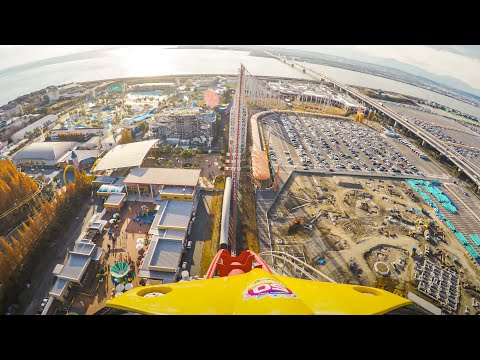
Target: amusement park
239, 194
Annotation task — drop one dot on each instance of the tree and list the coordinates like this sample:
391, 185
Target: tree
186, 153
144, 126
126, 137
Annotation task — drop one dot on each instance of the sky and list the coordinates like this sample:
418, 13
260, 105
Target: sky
461, 62
12, 55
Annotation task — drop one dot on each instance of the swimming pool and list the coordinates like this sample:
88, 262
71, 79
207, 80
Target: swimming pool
115, 88
142, 94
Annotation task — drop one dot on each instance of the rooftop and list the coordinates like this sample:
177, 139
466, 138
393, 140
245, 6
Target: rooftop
83, 248
145, 272
115, 199
75, 267
57, 269
108, 189
163, 176
173, 214
81, 155
93, 140
126, 155
171, 234
46, 119
51, 152
180, 190
104, 180
260, 168
59, 288
166, 255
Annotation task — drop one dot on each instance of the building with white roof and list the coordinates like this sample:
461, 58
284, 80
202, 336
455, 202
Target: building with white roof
126, 155
156, 184
93, 143
44, 153
162, 260
175, 193
46, 120
169, 230
75, 268
53, 93
112, 140
86, 158
173, 214
313, 92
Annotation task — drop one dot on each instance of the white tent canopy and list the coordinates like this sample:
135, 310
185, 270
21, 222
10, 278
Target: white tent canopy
126, 155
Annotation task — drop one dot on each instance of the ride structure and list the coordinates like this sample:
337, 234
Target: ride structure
65, 172
245, 284
74, 166
251, 93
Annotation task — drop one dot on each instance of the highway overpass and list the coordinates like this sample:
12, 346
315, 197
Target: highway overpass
463, 164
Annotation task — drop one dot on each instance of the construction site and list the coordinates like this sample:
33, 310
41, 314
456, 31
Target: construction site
370, 231
325, 217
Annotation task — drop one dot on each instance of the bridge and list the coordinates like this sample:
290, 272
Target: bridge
463, 164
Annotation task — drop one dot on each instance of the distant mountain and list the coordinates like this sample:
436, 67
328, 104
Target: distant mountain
389, 67
445, 80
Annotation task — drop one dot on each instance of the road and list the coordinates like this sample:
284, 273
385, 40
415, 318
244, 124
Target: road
466, 165
193, 256
42, 277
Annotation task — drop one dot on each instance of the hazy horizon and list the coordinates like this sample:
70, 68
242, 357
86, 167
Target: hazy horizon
445, 63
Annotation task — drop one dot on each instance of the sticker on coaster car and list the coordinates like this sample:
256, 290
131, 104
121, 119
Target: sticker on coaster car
261, 288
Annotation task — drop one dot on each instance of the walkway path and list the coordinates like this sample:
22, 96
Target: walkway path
42, 277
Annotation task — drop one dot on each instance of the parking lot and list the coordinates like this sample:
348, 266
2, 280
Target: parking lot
468, 218
445, 129
335, 145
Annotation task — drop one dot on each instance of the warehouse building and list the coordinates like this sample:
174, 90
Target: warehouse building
47, 154
45, 121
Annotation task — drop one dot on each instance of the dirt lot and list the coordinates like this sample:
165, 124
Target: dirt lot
354, 222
